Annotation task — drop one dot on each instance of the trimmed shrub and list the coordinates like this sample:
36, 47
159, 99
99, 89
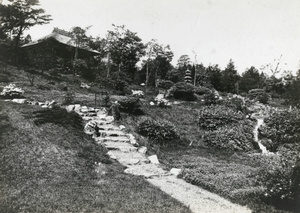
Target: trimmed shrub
158, 131
183, 91
202, 90
165, 84
58, 116
130, 104
212, 117
259, 95
237, 137
281, 127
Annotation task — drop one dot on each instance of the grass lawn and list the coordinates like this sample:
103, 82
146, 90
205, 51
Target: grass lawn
231, 174
50, 168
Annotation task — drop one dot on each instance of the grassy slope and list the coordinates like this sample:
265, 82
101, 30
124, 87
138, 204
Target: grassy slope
230, 174
51, 168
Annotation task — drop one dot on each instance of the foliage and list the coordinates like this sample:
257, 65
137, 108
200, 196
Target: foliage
58, 116
125, 49
200, 90
183, 91
130, 104
292, 94
19, 16
281, 180
69, 98
229, 78
212, 117
165, 84
214, 76
237, 137
211, 98
31, 74
158, 131
282, 127
259, 95
174, 75
251, 79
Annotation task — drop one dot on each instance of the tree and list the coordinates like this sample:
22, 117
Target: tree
230, 78
214, 76
251, 79
126, 49
18, 16
183, 61
158, 61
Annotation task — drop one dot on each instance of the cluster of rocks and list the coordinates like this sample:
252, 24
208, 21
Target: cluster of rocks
11, 92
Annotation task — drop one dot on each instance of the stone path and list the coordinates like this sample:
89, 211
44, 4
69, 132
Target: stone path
123, 148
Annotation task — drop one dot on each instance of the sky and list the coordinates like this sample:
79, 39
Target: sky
250, 32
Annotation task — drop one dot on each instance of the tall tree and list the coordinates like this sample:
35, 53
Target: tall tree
251, 79
126, 49
158, 61
230, 78
20, 15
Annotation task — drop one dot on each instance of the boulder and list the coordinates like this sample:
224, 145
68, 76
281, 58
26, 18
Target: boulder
153, 159
19, 101
11, 91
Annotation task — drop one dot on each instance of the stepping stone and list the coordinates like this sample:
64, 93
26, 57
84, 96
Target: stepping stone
125, 158
146, 170
112, 139
124, 147
108, 127
111, 133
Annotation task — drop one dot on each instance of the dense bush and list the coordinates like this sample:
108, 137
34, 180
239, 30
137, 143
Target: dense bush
212, 117
165, 84
183, 91
158, 131
281, 178
211, 98
237, 137
58, 116
202, 90
259, 95
281, 127
130, 104
69, 98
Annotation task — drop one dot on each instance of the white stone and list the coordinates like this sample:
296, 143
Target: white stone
142, 150
138, 93
111, 155
152, 103
77, 107
19, 101
70, 108
153, 159
175, 171
122, 127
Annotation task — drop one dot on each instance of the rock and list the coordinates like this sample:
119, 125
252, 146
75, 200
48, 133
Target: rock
142, 150
152, 103
153, 159
11, 91
122, 127
111, 155
77, 107
70, 108
19, 101
175, 171
138, 93
84, 85
84, 109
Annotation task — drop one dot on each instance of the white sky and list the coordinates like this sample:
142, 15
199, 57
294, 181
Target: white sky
251, 32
